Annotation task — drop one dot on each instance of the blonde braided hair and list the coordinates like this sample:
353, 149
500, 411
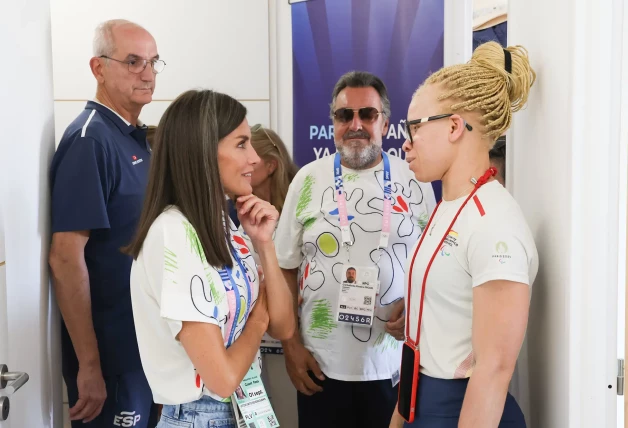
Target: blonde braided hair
484, 85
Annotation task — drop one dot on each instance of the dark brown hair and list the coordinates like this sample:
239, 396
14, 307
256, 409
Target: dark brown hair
184, 170
151, 130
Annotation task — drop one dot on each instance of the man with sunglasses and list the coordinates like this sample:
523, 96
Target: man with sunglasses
98, 177
359, 210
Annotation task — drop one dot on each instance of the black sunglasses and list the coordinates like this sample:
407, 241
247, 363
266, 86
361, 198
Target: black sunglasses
366, 114
409, 123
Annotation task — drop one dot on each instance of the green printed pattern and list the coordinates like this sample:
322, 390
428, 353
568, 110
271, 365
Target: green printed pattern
350, 177
423, 219
197, 249
322, 320
195, 244
385, 341
304, 201
218, 296
170, 260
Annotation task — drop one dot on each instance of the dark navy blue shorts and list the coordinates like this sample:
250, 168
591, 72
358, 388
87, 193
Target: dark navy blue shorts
439, 402
496, 33
129, 402
361, 404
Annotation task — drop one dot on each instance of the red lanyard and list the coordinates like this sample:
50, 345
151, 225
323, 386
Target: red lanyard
487, 175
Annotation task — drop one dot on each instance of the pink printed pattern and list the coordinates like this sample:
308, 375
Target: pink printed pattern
233, 317
464, 370
386, 216
342, 210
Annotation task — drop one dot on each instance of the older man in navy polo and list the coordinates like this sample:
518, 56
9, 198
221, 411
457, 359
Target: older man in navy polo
99, 175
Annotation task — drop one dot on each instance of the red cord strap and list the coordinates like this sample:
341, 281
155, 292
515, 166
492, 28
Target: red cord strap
483, 180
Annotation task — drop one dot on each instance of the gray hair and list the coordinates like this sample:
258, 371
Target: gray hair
361, 79
103, 38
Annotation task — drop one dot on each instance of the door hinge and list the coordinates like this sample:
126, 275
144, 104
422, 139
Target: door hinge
620, 376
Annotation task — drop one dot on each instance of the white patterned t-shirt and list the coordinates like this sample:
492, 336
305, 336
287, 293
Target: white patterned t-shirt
309, 238
172, 282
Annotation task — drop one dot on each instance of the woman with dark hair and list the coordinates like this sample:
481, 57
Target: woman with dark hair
199, 308
270, 181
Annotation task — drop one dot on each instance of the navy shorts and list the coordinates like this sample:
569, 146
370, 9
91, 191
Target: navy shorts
129, 402
362, 404
439, 402
496, 33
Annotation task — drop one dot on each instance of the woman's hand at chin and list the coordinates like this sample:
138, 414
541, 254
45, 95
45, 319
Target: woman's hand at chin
257, 217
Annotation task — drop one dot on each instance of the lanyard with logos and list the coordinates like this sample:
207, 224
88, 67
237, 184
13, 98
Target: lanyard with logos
410, 360
358, 293
342, 205
236, 291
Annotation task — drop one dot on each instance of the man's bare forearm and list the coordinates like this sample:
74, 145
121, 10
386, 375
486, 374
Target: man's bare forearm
71, 285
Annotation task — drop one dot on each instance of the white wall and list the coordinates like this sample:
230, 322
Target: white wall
30, 337
281, 100
622, 236
564, 157
214, 44
458, 35
623, 205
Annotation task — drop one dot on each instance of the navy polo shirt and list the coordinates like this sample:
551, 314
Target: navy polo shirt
98, 176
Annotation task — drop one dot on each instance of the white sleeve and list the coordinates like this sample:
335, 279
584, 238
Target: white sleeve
501, 249
429, 198
289, 237
188, 289
423, 195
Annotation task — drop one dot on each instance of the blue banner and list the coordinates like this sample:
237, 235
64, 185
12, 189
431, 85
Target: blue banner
401, 41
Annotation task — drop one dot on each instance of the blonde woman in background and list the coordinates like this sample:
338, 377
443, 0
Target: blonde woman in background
469, 277
273, 175
270, 181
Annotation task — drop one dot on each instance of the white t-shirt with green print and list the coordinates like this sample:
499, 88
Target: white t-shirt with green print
308, 238
171, 282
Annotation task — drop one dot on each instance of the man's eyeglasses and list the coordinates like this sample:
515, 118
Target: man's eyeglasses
259, 126
366, 114
409, 123
137, 65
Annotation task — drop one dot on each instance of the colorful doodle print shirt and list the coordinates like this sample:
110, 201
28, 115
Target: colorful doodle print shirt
308, 238
172, 282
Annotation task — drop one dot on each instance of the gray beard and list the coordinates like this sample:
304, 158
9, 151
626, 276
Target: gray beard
358, 157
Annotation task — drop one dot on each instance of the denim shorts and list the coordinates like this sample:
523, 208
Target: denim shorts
202, 413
